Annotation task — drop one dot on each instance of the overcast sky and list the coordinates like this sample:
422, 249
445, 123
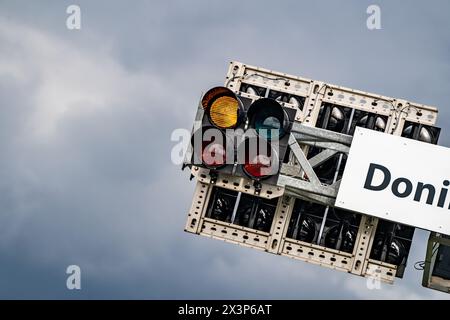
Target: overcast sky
85, 123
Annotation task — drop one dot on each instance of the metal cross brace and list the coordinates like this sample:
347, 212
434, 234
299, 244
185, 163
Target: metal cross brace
308, 185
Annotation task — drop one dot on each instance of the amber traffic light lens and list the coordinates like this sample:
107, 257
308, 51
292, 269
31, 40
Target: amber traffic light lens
223, 107
224, 112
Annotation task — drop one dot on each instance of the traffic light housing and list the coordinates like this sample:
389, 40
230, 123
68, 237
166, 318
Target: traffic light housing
327, 226
242, 137
421, 132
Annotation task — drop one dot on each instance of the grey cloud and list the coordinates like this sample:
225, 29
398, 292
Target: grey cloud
85, 124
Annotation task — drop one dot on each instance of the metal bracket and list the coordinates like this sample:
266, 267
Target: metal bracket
305, 183
187, 162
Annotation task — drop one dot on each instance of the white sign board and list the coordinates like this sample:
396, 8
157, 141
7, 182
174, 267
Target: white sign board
397, 179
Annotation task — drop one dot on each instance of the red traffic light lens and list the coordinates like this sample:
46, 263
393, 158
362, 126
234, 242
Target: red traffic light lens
210, 147
258, 158
259, 167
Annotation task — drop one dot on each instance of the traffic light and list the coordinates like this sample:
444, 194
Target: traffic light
436, 267
392, 242
241, 209
295, 100
334, 117
253, 90
326, 226
341, 229
306, 220
421, 132
265, 144
240, 136
259, 159
213, 142
368, 120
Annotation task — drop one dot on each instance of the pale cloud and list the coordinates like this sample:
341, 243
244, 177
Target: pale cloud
67, 81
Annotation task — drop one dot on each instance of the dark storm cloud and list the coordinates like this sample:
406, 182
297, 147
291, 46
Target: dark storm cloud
86, 119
